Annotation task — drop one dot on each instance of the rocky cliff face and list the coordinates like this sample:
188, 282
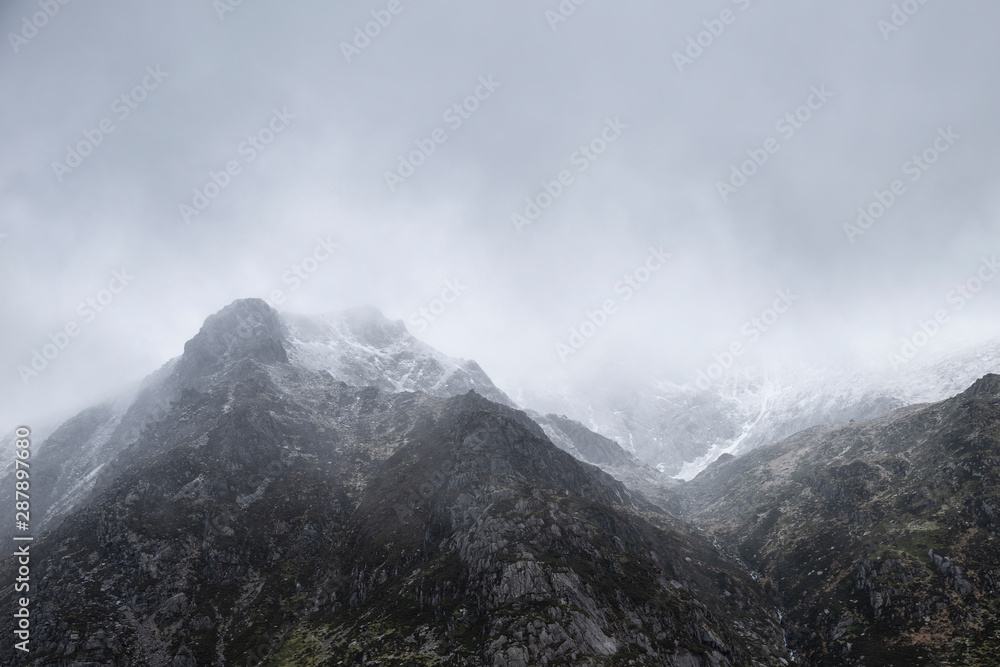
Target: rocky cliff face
359, 347
364, 349
586, 445
312, 492
878, 539
253, 510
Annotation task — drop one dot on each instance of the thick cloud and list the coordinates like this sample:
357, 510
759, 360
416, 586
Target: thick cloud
199, 81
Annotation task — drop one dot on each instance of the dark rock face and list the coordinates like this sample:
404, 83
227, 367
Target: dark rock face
253, 511
986, 387
245, 330
66, 449
592, 447
358, 346
256, 502
879, 540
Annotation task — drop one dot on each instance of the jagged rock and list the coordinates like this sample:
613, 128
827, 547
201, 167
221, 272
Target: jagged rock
859, 518
251, 508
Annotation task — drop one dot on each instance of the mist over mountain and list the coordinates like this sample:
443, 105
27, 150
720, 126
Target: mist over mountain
681, 429
311, 225
247, 503
500, 333
358, 346
879, 538
314, 490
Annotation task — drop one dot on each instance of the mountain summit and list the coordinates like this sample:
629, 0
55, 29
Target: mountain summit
359, 347
363, 348
330, 491
245, 330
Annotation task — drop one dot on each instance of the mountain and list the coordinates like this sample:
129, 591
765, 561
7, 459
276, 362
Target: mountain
358, 346
681, 429
586, 445
878, 539
329, 490
294, 491
364, 349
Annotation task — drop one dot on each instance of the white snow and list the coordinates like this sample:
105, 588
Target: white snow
757, 406
362, 348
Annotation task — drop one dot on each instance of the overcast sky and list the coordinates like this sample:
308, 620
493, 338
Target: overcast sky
665, 120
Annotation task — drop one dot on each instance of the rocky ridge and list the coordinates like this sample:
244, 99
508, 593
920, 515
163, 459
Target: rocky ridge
249, 509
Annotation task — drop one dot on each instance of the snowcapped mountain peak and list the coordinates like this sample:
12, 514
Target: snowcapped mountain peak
359, 323
359, 346
364, 348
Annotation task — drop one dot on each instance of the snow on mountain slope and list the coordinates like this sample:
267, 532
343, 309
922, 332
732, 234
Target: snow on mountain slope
682, 429
359, 347
90, 457
678, 430
363, 348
